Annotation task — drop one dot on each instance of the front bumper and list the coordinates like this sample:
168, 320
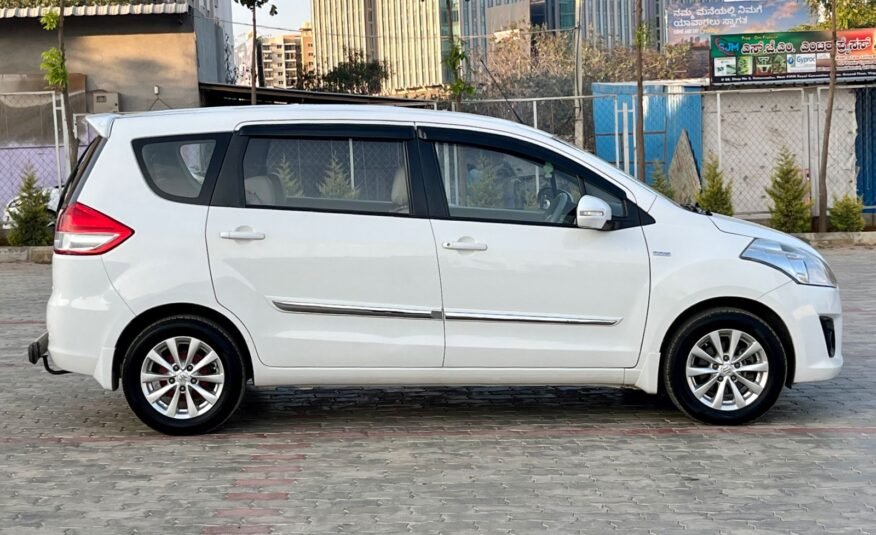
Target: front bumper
806, 310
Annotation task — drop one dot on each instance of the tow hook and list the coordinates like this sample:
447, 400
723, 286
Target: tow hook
39, 350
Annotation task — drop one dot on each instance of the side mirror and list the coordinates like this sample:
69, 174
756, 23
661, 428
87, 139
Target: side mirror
593, 213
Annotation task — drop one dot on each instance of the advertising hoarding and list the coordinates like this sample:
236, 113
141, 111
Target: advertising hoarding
789, 57
696, 22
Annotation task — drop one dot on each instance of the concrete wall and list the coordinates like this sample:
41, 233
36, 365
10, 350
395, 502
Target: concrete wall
127, 54
754, 126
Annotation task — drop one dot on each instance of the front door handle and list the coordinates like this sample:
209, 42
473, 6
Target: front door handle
464, 246
241, 235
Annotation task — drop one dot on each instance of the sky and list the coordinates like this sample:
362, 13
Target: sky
291, 14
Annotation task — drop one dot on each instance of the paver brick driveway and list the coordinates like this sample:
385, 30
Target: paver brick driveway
73, 459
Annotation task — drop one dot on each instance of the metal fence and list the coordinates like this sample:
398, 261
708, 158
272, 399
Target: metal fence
31, 140
743, 130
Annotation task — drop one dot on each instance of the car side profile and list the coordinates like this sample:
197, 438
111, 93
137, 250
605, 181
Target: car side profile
200, 250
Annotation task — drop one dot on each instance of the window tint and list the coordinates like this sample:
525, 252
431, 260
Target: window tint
327, 174
177, 167
490, 185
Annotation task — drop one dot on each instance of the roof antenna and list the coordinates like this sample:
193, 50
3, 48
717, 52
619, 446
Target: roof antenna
502, 92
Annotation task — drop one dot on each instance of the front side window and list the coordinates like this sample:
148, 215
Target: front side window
486, 184
348, 175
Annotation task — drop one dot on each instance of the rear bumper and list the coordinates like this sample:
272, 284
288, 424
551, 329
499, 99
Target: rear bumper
85, 317
806, 311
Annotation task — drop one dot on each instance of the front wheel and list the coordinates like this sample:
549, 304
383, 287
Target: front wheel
183, 375
724, 366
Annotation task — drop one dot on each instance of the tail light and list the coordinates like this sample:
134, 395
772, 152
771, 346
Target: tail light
82, 230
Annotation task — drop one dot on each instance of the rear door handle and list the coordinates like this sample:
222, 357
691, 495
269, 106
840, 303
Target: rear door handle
241, 235
464, 246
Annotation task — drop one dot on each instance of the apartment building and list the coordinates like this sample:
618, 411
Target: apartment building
410, 36
281, 57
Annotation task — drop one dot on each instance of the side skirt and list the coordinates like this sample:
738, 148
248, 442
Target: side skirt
271, 376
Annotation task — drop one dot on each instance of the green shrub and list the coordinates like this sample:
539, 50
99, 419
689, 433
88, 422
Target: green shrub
790, 211
661, 181
847, 214
30, 219
716, 195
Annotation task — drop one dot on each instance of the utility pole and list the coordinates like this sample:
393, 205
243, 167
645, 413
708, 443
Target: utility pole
579, 107
828, 119
641, 36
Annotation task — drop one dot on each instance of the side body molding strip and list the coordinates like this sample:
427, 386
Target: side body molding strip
469, 315
435, 314
358, 310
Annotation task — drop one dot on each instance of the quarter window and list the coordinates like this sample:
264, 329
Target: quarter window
178, 167
349, 175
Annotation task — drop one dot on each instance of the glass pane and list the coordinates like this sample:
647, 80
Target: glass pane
491, 185
330, 174
178, 167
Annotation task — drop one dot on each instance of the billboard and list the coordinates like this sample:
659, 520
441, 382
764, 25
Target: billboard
696, 22
788, 57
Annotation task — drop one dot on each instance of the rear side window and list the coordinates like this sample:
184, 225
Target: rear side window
344, 175
179, 168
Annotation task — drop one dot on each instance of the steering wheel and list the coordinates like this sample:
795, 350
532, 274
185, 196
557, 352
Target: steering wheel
559, 207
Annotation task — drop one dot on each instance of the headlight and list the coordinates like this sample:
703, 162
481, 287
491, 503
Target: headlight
799, 264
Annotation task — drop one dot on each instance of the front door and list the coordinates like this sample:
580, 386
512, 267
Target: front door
316, 244
522, 285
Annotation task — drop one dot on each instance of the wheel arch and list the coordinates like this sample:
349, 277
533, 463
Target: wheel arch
749, 305
146, 318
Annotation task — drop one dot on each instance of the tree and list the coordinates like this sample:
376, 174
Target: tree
831, 5
660, 181
790, 210
716, 195
484, 191
54, 64
355, 75
849, 14
847, 214
336, 183
253, 5
459, 87
283, 171
542, 63
30, 219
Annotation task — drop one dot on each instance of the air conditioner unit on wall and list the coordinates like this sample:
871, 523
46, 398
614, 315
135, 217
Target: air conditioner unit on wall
104, 101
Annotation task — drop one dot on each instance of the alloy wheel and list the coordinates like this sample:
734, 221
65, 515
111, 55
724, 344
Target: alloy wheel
727, 369
182, 377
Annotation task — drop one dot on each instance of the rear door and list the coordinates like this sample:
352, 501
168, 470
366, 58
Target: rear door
319, 242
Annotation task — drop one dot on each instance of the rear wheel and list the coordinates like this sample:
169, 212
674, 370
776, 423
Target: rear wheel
183, 376
724, 366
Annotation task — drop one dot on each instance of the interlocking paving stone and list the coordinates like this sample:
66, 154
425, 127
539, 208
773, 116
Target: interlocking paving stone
73, 459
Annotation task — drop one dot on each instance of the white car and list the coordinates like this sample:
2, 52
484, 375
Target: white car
54, 194
199, 250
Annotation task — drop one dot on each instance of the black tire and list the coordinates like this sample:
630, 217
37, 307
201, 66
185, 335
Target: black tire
216, 338
674, 374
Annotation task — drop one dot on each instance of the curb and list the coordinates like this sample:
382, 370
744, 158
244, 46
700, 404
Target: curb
37, 255
838, 239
